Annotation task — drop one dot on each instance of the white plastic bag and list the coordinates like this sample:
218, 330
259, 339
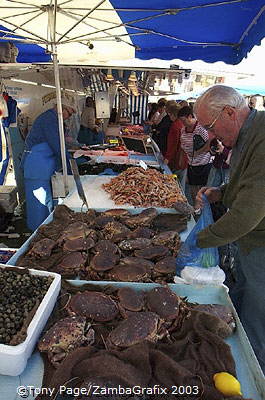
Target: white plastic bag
203, 276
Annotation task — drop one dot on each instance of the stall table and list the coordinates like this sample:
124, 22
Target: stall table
248, 371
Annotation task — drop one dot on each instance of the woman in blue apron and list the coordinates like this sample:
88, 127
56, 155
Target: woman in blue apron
42, 157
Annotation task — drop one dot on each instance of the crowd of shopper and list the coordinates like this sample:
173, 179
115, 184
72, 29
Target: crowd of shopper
189, 150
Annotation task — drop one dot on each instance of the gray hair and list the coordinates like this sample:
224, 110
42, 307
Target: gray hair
217, 97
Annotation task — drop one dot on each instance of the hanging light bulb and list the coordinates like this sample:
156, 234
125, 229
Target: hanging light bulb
133, 77
109, 76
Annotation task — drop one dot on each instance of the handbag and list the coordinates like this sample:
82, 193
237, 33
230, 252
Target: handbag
198, 142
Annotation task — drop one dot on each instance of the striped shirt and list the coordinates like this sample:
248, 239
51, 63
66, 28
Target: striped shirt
186, 140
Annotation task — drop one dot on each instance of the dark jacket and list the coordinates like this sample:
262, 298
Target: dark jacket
244, 194
162, 130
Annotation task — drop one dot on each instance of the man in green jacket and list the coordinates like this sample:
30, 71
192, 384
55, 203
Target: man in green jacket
224, 112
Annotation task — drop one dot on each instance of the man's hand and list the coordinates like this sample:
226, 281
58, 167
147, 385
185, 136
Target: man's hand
213, 194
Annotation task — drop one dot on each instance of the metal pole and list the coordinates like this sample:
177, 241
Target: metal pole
52, 32
60, 120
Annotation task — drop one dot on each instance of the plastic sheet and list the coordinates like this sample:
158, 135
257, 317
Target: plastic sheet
192, 256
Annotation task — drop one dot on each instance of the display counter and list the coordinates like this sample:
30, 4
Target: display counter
248, 371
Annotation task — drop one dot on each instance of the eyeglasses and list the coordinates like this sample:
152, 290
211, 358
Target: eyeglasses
211, 126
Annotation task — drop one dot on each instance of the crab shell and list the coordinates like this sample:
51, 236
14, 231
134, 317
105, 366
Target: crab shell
66, 335
166, 266
164, 302
102, 220
116, 213
77, 230
133, 244
94, 305
144, 218
141, 232
79, 244
104, 261
131, 299
106, 246
152, 252
130, 273
165, 238
136, 328
71, 263
42, 248
115, 231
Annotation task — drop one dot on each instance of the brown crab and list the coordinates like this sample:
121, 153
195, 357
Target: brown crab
77, 230
134, 244
166, 238
141, 232
104, 261
130, 301
65, 336
131, 271
63, 213
144, 218
94, 305
166, 267
50, 231
218, 310
106, 246
165, 303
115, 231
71, 264
135, 329
165, 222
42, 248
79, 244
152, 252
102, 220
116, 213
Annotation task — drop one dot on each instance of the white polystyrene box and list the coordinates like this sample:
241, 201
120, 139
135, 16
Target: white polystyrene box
13, 359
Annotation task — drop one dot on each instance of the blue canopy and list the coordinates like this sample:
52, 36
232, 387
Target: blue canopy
208, 30
28, 53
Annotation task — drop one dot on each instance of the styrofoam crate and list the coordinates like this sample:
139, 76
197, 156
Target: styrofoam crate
13, 359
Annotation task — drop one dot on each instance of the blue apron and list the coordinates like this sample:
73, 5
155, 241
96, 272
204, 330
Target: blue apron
39, 164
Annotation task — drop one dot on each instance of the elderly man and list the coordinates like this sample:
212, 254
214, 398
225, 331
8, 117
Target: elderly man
224, 112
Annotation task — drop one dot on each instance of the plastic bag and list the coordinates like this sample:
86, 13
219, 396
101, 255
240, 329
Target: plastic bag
192, 256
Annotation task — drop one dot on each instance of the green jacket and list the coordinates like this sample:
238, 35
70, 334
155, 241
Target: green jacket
244, 196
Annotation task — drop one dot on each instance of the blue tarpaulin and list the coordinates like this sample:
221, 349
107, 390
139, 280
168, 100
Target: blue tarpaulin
208, 30
28, 53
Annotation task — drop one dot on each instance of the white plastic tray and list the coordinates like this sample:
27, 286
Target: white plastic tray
97, 197
13, 359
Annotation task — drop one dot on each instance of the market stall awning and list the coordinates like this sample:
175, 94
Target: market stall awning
27, 52
70, 25
208, 30
102, 30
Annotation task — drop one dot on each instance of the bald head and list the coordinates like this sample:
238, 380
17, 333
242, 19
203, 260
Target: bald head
222, 110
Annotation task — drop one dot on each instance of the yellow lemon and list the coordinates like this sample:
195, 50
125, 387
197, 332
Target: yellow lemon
227, 384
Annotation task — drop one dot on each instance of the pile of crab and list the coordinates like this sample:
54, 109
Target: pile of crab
121, 319
112, 245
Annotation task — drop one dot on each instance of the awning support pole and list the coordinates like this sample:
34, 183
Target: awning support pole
60, 120
52, 28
